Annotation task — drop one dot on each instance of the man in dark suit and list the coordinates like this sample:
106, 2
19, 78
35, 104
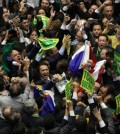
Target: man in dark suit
102, 42
66, 126
30, 114
100, 115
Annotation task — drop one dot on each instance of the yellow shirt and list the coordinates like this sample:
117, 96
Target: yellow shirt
114, 41
112, 38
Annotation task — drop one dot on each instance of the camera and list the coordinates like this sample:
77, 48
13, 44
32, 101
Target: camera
12, 33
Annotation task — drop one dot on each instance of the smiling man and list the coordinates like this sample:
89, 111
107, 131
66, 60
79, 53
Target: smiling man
44, 72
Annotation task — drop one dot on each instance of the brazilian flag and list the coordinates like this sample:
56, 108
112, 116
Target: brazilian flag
118, 104
68, 88
116, 63
48, 103
47, 43
43, 18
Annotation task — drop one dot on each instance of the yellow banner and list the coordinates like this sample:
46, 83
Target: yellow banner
118, 104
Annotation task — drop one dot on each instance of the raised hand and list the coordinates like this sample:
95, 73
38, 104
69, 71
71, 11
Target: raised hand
52, 12
66, 39
97, 114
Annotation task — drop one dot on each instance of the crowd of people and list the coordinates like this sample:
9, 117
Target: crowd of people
33, 78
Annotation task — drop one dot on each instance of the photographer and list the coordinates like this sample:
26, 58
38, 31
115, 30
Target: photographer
13, 35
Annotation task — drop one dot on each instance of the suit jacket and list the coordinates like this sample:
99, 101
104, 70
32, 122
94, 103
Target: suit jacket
79, 132
5, 128
106, 116
32, 121
63, 128
96, 52
33, 69
15, 102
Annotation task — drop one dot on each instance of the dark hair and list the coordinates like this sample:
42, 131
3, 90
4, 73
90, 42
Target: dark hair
11, 3
43, 63
91, 128
104, 36
111, 103
23, 18
2, 84
49, 122
39, 102
19, 46
81, 123
110, 88
30, 10
41, 2
77, 78
109, 52
29, 111
32, 30
43, 60
35, 130
13, 36
95, 24
108, 64
62, 66
59, 16
19, 128
37, 10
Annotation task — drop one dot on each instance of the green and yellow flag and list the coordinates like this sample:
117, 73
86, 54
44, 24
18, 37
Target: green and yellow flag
47, 43
43, 18
68, 88
118, 104
87, 82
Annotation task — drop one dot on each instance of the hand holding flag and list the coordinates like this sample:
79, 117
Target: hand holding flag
48, 100
80, 58
47, 43
43, 18
98, 70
